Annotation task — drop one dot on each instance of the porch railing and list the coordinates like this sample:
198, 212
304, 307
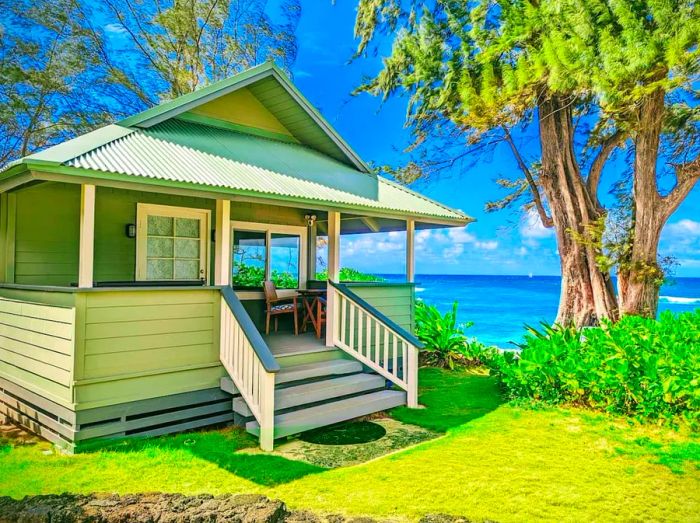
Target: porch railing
375, 340
248, 360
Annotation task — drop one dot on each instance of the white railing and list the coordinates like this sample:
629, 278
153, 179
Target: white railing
248, 360
376, 341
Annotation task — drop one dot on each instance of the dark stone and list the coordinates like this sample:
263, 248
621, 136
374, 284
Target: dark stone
169, 508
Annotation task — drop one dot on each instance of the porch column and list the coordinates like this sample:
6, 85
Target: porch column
87, 235
333, 273
410, 251
222, 243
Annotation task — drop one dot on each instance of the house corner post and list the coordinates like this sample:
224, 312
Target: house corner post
222, 243
267, 412
410, 250
87, 236
333, 275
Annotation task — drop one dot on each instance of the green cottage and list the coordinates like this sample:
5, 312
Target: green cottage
132, 257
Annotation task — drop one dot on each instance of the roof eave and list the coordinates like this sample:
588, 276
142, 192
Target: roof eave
50, 171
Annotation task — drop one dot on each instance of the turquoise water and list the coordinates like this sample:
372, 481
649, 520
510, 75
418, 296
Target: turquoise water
500, 306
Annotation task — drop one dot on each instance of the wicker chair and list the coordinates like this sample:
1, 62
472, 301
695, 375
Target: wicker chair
275, 306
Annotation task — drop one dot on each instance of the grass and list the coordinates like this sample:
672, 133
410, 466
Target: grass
496, 461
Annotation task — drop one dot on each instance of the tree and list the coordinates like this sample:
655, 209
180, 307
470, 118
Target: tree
489, 67
175, 47
647, 65
67, 66
49, 76
639, 61
594, 75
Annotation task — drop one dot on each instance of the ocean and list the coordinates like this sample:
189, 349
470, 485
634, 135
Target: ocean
500, 306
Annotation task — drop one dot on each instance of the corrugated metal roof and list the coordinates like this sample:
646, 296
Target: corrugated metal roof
181, 151
272, 87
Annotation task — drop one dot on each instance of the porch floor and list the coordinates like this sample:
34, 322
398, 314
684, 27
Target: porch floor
287, 344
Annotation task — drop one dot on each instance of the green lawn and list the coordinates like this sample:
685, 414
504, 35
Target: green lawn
495, 461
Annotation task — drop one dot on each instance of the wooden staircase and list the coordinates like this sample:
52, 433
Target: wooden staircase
287, 385
316, 387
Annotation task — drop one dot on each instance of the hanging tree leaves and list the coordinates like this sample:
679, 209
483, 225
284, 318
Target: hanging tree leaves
67, 66
579, 74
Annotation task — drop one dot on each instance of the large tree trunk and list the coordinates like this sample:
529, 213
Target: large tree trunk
641, 276
587, 293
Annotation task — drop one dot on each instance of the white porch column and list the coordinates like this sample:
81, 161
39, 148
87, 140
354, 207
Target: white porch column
87, 235
410, 251
333, 273
222, 243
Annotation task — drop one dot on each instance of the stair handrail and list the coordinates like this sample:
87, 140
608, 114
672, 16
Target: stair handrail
251, 331
378, 360
371, 309
250, 363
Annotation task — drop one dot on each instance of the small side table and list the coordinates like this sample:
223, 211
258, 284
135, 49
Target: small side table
314, 301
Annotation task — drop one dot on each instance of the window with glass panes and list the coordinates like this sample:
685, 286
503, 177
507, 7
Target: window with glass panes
172, 243
268, 252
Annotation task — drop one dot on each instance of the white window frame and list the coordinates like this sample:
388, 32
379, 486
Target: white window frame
143, 210
269, 229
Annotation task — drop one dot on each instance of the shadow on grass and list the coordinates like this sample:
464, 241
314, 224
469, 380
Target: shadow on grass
222, 447
451, 398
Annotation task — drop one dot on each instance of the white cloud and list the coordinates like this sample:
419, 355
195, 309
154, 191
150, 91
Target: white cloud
532, 228
114, 28
684, 228
461, 235
521, 251
488, 245
451, 253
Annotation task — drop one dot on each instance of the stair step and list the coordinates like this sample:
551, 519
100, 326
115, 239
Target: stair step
317, 391
317, 369
292, 359
333, 412
226, 384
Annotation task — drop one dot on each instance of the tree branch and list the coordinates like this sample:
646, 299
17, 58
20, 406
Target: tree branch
596, 171
687, 175
536, 197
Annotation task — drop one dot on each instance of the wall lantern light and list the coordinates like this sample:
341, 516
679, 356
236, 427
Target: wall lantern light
130, 230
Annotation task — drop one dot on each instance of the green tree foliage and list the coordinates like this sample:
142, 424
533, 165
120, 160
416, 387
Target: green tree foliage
52, 83
174, 47
67, 66
587, 77
349, 274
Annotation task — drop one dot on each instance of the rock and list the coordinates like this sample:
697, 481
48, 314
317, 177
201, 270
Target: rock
169, 508
142, 508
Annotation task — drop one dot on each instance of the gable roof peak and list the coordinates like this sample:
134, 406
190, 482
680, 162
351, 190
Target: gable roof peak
312, 129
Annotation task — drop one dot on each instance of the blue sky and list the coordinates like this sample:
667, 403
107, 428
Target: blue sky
498, 243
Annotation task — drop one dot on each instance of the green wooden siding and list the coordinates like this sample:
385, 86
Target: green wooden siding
46, 233
143, 344
395, 301
115, 253
37, 344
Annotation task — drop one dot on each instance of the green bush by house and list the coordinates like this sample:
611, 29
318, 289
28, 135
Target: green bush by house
247, 275
646, 369
349, 274
444, 342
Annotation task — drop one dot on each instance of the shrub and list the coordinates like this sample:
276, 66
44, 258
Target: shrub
646, 369
349, 274
445, 344
247, 275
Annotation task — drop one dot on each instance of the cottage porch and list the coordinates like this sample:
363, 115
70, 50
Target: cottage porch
91, 348
131, 260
